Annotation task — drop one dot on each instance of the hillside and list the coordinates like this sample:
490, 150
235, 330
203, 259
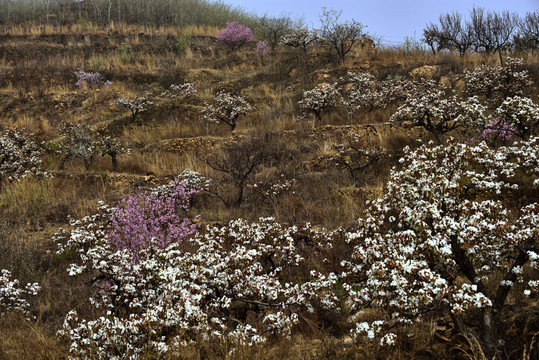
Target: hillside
314, 168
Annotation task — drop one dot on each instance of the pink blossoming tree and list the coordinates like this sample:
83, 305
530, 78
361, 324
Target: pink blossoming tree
235, 35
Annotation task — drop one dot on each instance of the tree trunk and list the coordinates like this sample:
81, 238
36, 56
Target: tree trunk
487, 336
500, 54
114, 162
439, 138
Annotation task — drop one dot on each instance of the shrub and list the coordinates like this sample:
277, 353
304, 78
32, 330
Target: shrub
19, 155
182, 44
497, 129
357, 155
262, 48
235, 35
447, 238
91, 80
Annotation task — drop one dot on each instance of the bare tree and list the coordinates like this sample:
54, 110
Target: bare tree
274, 28
341, 36
455, 34
432, 37
239, 162
529, 30
492, 31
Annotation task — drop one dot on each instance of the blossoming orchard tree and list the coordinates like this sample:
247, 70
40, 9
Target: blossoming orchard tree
427, 106
319, 100
136, 105
494, 84
362, 92
302, 39
81, 141
20, 155
235, 35
448, 237
226, 108
519, 115
13, 297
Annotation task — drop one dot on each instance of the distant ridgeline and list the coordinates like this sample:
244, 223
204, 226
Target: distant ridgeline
147, 12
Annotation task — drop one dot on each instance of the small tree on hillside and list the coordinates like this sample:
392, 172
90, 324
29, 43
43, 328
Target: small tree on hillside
79, 142
428, 107
20, 155
227, 109
178, 93
111, 147
341, 36
235, 35
275, 28
238, 162
319, 100
302, 39
136, 105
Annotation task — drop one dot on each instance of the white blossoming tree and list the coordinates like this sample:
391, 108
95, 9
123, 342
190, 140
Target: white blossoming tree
302, 39
226, 108
520, 115
446, 238
13, 297
362, 92
20, 155
427, 106
496, 83
321, 99
178, 93
136, 105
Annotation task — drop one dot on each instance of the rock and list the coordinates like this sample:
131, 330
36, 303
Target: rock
348, 341
444, 80
425, 72
460, 85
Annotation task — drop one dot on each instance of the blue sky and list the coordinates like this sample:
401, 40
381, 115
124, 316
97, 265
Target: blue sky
391, 19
